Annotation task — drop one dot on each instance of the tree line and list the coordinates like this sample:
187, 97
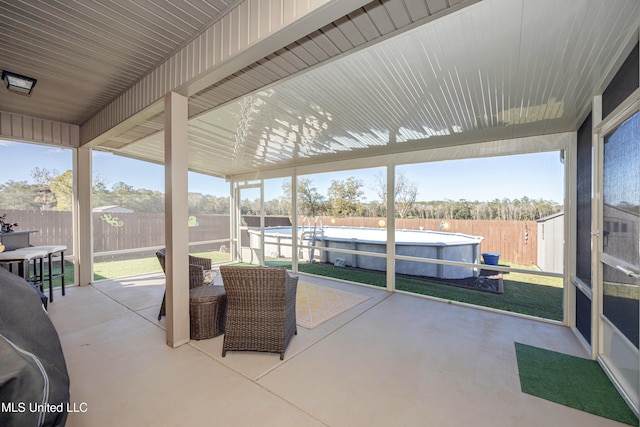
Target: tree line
51, 190
345, 198
523, 209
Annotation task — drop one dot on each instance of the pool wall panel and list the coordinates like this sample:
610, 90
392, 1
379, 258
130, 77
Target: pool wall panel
278, 244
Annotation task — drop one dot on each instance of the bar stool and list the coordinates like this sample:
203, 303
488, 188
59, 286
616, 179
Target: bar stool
53, 253
25, 258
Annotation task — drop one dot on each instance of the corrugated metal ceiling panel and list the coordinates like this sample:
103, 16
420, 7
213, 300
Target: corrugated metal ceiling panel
334, 39
486, 72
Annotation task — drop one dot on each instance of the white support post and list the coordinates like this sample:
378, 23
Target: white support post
82, 217
234, 239
391, 227
262, 256
570, 230
294, 221
597, 330
176, 219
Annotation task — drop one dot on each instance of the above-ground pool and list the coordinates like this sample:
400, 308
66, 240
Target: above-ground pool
421, 244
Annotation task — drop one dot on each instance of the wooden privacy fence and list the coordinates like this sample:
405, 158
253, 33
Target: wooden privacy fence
116, 231
54, 228
515, 241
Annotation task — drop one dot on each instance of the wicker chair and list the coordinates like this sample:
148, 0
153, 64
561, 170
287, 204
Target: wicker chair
196, 274
261, 309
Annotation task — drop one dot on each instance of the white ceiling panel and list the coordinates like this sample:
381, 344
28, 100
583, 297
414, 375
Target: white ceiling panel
498, 69
386, 78
334, 39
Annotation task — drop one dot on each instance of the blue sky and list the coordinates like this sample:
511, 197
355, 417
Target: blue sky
537, 176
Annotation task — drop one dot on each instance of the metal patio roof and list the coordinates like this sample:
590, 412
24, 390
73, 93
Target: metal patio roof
390, 76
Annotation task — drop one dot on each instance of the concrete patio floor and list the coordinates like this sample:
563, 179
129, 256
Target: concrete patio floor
394, 360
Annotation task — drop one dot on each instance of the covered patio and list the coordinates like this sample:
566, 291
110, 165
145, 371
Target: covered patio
256, 90
392, 360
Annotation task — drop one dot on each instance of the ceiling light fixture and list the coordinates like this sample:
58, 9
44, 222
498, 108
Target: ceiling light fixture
17, 83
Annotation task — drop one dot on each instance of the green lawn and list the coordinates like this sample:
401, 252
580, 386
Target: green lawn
523, 293
133, 267
130, 267
526, 294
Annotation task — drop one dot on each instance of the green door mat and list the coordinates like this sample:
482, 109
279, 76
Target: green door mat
571, 381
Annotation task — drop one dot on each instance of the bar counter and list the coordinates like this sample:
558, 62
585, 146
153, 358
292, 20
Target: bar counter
16, 239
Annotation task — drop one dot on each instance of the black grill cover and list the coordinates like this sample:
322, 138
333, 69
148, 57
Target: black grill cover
34, 383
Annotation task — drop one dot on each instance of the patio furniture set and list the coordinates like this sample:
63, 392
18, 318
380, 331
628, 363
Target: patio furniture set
255, 307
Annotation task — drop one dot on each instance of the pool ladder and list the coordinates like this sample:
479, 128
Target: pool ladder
312, 233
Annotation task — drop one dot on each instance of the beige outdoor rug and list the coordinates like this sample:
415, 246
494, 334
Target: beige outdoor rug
317, 304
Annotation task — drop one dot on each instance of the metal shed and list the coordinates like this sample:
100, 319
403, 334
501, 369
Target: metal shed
551, 243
